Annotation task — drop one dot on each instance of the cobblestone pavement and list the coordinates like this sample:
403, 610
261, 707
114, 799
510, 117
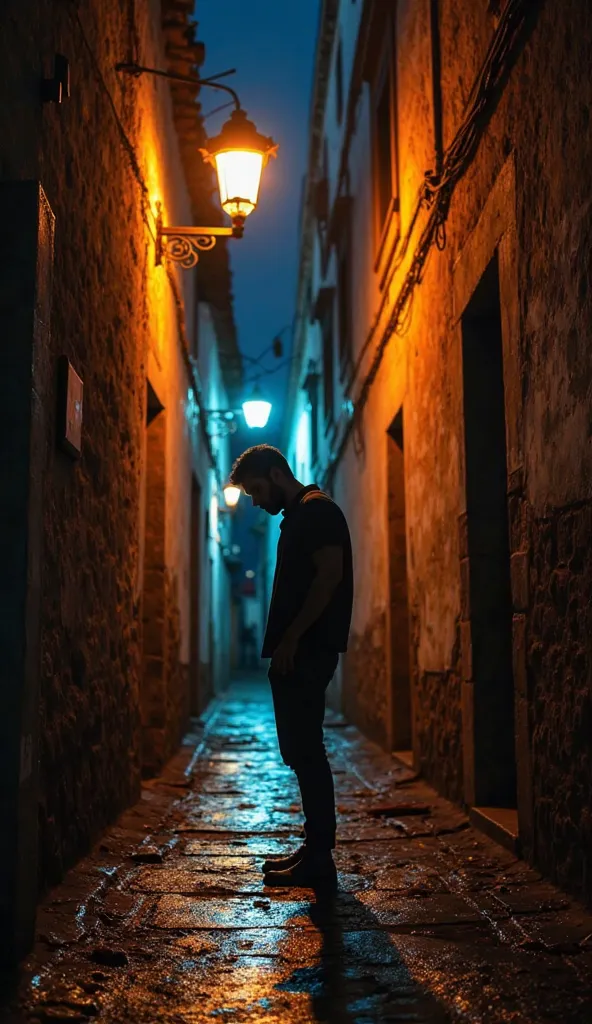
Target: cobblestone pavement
168, 919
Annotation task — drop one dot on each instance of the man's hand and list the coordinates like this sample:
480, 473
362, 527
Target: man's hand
283, 657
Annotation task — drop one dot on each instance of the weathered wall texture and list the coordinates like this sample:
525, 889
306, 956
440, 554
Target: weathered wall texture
559, 654
106, 157
526, 200
90, 757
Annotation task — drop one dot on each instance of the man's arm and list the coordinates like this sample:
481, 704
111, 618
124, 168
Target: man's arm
329, 565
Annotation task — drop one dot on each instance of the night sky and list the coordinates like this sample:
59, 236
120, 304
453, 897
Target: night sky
271, 45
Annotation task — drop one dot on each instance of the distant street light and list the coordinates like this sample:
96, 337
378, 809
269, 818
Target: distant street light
256, 410
231, 495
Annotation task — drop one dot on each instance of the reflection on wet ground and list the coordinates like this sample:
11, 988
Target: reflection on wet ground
168, 920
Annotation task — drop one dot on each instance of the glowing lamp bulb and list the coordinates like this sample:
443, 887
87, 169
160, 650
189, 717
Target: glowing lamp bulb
239, 175
231, 495
256, 411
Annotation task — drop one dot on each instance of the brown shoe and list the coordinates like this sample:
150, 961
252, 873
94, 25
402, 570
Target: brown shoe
311, 872
281, 863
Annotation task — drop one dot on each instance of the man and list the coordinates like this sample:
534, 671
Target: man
307, 628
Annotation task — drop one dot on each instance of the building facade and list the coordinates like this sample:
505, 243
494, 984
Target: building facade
441, 389
115, 592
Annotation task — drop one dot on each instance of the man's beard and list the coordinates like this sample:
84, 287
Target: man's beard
277, 499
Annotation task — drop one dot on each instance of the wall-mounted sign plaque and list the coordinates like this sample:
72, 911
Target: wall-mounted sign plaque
70, 391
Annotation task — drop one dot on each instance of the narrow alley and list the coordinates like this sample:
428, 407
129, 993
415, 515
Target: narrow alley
295, 324
168, 918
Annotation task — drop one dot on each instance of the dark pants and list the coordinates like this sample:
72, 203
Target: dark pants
299, 704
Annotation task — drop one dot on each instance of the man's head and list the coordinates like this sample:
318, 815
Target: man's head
265, 475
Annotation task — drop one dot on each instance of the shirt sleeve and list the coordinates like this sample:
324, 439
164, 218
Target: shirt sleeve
323, 525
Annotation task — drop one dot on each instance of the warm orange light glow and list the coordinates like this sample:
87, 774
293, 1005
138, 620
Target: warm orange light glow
239, 154
231, 495
239, 175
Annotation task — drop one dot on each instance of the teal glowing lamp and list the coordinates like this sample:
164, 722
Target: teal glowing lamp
256, 410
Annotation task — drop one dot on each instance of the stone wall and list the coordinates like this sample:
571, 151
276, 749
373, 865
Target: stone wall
525, 201
559, 656
164, 690
365, 689
546, 314
106, 157
90, 754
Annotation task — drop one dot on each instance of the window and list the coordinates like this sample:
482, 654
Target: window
303, 446
321, 203
343, 247
324, 315
344, 299
327, 332
383, 150
339, 83
314, 423
311, 388
384, 145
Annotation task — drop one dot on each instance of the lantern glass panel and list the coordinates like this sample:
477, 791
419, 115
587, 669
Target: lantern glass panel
239, 175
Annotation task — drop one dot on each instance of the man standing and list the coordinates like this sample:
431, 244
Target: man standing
307, 628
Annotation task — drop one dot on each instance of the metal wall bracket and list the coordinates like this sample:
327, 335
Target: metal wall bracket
221, 422
184, 244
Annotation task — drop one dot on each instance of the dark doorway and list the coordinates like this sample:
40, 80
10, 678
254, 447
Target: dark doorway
212, 673
194, 599
154, 668
489, 587
400, 724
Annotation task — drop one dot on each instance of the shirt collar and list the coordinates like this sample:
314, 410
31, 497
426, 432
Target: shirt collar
298, 498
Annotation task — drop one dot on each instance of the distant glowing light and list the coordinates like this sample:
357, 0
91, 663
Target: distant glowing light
250, 574
256, 411
231, 495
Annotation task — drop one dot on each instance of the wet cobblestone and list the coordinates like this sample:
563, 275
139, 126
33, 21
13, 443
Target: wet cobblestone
168, 918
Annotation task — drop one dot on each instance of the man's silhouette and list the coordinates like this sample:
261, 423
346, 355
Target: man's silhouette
307, 628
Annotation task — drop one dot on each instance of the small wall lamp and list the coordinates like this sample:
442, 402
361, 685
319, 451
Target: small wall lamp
239, 154
256, 411
231, 495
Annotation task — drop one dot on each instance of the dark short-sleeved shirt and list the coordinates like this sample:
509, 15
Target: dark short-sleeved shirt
311, 521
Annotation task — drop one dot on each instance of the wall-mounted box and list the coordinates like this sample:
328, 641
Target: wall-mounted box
70, 393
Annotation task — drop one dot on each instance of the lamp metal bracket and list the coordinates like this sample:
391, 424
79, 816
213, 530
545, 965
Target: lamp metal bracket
184, 244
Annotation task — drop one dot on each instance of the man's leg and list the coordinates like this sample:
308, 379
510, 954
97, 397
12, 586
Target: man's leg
311, 763
299, 703
287, 734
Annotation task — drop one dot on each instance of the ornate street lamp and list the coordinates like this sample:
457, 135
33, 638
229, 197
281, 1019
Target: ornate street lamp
238, 153
255, 410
